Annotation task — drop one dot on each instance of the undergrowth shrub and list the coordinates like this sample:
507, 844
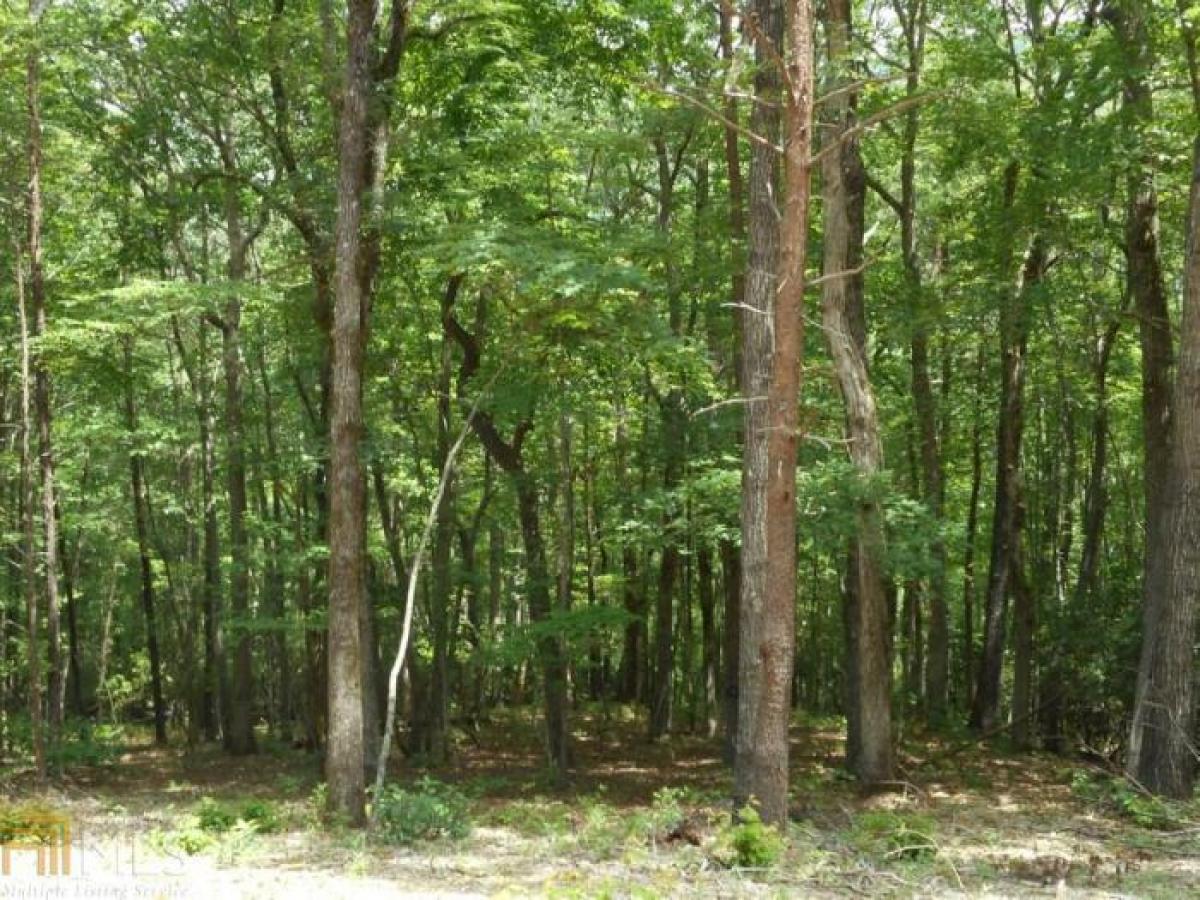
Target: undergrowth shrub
262, 814
1120, 797
214, 817
218, 828
428, 810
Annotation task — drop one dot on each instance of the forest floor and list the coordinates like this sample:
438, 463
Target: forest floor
640, 820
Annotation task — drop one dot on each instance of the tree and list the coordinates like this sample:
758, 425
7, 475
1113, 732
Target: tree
347, 493
37, 295
869, 725
1162, 753
769, 485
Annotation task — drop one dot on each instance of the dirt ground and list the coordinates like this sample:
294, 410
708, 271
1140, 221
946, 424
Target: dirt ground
639, 820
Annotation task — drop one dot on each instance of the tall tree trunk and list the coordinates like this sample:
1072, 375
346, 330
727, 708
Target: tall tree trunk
756, 775
1145, 282
509, 456
275, 573
1014, 325
216, 681
432, 740
1024, 623
33, 647
730, 552
239, 738
844, 187
598, 659
1095, 503
564, 589
554, 664
37, 298
969, 585
709, 638
1095, 508
347, 501
215, 689
731, 578
1165, 713
769, 600
1162, 753
137, 489
674, 429
71, 566
632, 675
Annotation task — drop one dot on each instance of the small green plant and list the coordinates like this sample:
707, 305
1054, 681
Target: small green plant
190, 841
262, 814
750, 843
429, 810
314, 811
889, 835
666, 810
214, 817
603, 830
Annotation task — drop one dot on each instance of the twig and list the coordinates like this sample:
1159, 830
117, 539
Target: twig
834, 276
669, 91
872, 120
730, 402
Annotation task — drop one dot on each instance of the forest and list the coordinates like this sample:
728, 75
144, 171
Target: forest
599, 448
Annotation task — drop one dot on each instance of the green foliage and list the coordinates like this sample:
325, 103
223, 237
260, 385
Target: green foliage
262, 814
429, 810
28, 822
749, 843
890, 835
605, 831
224, 829
1120, 797
315, 808
88, 745
215, 817
191, 840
